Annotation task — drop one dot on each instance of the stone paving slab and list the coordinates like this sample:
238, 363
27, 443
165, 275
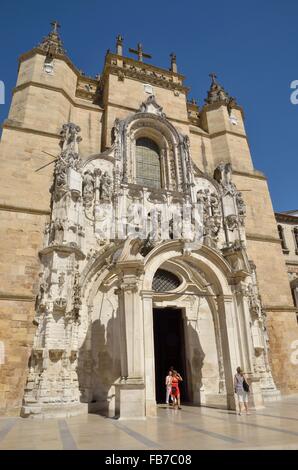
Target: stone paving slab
272, 427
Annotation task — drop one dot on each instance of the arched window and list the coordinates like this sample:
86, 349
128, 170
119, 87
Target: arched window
147, 163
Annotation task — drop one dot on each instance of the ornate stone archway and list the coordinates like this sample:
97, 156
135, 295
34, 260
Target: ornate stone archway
93, 347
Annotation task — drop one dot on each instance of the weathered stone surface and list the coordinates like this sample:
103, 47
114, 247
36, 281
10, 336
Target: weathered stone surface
79, 303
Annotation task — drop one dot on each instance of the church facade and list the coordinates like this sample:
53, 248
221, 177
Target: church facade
136, 236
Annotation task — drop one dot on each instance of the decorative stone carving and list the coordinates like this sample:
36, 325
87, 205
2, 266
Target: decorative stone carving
77, 302
52, 43
57, 232
211, 215
217, 94
106, 187
231, 222
223, 175
60, 304
70, 139
68, 158
150, 106
40, 298
116, 131
214, 202
88, 188
241, 207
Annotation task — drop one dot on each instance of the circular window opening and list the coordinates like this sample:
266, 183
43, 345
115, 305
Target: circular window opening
164, 281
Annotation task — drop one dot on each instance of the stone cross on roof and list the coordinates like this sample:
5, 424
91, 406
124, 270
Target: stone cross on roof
52, 43
140, 53
55, 26
213, 77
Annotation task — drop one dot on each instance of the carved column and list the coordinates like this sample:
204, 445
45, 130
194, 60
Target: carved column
130, 390
230, 346
246, 345
149, 354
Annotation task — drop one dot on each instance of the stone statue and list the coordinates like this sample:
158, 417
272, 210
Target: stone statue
116, 131
68, 158
58, 231
241, 207
88, 188
106, 187
214, 202
70, 137
39, 302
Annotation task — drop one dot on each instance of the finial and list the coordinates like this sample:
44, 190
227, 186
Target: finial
55, 25
173, 62
52, 43
218, 94
119, 45
213, 78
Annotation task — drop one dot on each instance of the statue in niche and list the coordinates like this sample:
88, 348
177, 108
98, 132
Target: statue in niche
214, 201
106, 187
76, 295
39, 302
116, 131
241, 207
57, 231
231, 222
70, 138
60, 173
88, 188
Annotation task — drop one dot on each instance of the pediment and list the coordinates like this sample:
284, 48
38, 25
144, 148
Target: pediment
150, 106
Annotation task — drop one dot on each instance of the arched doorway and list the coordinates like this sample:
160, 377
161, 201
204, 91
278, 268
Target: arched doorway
193, 317
169, 349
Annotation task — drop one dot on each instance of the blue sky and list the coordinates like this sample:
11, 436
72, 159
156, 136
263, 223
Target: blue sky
252, 46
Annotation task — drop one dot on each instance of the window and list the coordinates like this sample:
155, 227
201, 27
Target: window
147, 163
164, 281
282, 237
295, 232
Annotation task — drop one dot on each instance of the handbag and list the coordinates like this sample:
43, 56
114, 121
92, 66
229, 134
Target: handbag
173, 390
245, 386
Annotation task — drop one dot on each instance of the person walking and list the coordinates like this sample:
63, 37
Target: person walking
168, 386
241, 388
175, 392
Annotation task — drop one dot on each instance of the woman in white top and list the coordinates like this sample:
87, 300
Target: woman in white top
168, 386
242, 395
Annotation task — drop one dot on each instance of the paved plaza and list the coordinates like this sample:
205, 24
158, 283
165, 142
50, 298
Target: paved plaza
273, 427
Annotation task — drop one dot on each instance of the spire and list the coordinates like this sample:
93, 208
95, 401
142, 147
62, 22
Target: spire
52, 43
217, 93
119, 45
173, 62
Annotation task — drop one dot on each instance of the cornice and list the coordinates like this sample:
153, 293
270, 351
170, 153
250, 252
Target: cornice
125, 67
280, 217
91, 106
24, 210
262, 238
218, 104
16, 297
219, 133
256, 174
10, 124
63, 57
280, 308
134, 110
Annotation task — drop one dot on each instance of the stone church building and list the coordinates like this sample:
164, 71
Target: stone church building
136, 235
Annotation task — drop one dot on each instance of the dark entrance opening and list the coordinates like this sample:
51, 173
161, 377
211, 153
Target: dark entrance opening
169, 349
